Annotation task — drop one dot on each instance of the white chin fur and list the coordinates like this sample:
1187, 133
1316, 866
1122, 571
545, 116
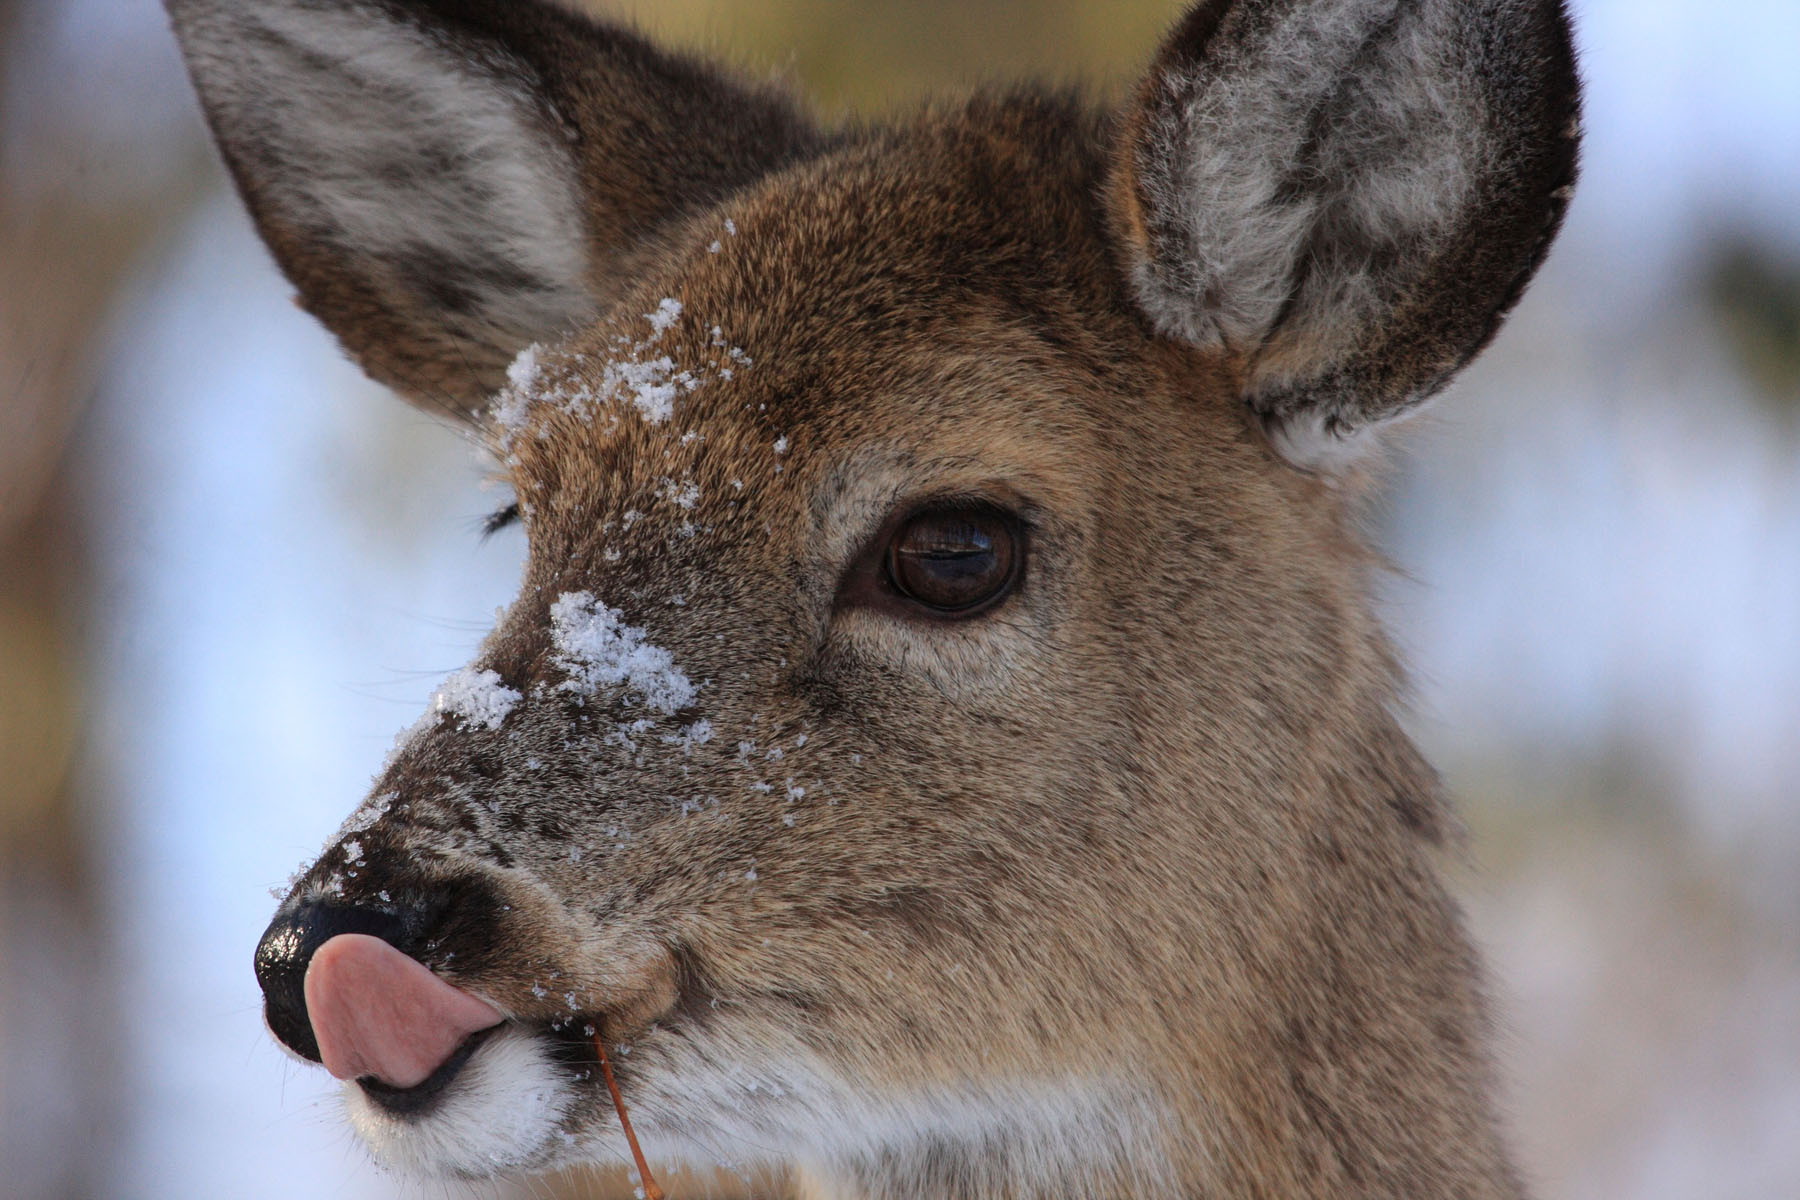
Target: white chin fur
508, 1112
504, 1112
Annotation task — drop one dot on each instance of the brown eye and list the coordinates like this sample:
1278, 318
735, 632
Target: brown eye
957, 561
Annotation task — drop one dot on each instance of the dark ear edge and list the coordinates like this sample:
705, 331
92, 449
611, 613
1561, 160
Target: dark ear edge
1349, 195
449, 181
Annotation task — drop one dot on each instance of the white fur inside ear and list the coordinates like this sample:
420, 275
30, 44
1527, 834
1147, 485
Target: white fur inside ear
1338, 134
401, 146
504, 1112
1301, 176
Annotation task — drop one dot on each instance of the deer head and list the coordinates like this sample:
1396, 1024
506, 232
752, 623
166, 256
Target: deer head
942, 732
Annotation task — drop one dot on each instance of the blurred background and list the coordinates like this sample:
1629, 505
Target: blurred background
230, 569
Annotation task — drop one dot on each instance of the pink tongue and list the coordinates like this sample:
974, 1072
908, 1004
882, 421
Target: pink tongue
375, 1011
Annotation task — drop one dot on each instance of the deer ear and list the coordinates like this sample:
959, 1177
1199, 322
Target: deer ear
447, 181
1348, 195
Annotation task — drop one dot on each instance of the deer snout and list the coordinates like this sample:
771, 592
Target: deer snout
286, 952
340, 989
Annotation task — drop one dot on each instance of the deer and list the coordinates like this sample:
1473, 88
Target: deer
943, 744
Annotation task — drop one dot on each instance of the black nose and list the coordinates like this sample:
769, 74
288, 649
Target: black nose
287, 947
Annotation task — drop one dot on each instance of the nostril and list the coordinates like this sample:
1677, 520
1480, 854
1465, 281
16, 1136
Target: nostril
287, 949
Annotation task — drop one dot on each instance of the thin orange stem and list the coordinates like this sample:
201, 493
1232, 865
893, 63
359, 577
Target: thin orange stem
651, 1191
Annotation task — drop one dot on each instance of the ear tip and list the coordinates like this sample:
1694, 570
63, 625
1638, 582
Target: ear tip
1194, 30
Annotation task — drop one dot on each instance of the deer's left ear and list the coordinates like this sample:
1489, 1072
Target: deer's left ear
1348, 194
447, 181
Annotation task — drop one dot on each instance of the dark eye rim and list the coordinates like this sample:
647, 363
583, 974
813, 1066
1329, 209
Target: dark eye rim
867, 583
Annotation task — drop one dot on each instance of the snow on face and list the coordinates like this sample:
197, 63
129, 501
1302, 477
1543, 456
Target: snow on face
478, 697
668, 311
633, 374
514, 399
684, 494
650, 384
599, 650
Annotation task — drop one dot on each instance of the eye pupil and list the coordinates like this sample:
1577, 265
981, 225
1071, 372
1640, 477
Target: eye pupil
954, 561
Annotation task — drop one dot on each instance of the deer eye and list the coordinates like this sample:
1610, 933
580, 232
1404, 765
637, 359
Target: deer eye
956, 561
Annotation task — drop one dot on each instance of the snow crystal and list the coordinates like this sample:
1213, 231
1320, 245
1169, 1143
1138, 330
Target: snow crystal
369, 812
781, 444
685, 494
623, 734
514, 399
293, 881
668, 311
634, 373
599, 650
478, 697
651, 385
522, 373
689, 736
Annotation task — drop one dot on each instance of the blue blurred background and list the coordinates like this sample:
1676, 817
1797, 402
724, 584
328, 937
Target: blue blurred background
230, 569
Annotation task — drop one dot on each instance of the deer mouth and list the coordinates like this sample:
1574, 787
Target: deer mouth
421, 1097
437, 1080
383, 1019
500, 1101
404, 1036
567, 1045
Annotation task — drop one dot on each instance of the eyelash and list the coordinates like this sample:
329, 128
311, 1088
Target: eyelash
494, 522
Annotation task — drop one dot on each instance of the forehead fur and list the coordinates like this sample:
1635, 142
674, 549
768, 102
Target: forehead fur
822, 275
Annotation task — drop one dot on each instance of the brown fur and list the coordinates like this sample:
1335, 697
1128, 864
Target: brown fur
1147, 841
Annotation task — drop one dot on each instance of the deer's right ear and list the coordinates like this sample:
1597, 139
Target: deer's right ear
1346, 195
447, 181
